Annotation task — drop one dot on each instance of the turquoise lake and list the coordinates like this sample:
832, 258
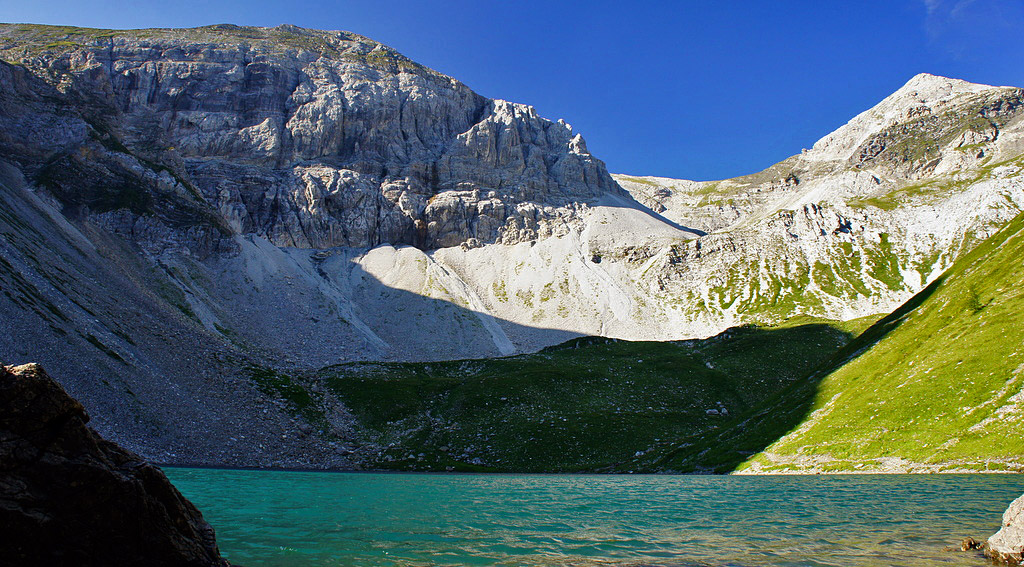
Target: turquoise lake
278, 518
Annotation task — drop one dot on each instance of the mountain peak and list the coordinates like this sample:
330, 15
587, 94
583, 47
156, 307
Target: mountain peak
925, 88
922, 90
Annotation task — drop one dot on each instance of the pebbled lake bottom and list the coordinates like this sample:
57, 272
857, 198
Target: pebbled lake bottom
282, 518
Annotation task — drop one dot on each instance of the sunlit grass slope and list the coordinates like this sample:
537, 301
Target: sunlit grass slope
941, 389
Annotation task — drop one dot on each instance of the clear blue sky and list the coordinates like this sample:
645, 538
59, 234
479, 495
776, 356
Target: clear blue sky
698, 90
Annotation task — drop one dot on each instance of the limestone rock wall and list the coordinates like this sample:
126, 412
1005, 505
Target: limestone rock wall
312, 139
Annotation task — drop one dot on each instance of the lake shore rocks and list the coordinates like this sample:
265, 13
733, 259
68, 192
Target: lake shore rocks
1007, 545
70, 497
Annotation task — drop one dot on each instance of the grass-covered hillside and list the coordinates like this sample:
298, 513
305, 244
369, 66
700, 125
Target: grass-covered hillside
587, 405
935, 386
938, 386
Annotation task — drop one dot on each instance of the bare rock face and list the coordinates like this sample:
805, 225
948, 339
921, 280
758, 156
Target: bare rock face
69, 497
311, 139
1007, 545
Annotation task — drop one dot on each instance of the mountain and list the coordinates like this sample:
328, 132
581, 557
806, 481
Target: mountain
179, 202
193, 217
868, 216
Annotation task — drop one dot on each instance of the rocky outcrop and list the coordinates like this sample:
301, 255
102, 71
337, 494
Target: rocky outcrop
1007, 545
69, 497
311, 139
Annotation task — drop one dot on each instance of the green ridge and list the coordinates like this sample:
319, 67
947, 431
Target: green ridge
590, 404
938, 383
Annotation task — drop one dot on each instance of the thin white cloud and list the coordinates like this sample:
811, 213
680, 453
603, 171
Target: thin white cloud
963, 27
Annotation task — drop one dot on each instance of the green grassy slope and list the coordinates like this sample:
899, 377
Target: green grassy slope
591, 404
934, 386
937, 386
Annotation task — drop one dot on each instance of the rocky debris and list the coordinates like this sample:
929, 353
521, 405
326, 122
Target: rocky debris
1007, 545
69, 497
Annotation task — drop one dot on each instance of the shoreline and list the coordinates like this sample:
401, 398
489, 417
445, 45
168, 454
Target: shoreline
811, 472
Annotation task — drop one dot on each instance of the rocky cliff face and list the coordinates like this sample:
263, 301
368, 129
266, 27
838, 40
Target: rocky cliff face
309, 139
69, 497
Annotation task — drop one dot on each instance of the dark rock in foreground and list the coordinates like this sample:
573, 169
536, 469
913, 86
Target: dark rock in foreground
1007, 545
69, 497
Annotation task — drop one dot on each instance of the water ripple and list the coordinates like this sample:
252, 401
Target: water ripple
286, 519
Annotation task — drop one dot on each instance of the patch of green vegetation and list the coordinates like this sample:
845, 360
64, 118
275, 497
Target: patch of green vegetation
897, 197
58, 44
591, 404
29, 40
299, 397
166, 289
884, 264
525, 297
500, 293
547, 292
23, 293
878, 202
970, 147
25, 41
938, 381
709, 189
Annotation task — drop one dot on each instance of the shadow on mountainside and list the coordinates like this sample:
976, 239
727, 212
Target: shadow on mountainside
725, 449
588, 405
423, 328
628, 202
116, 333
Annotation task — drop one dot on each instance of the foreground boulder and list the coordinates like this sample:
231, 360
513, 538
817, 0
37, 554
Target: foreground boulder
69, 497
1007, 545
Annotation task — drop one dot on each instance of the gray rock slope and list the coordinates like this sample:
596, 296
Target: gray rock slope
184, 210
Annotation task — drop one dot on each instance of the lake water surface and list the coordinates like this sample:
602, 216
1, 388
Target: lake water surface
278, 518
